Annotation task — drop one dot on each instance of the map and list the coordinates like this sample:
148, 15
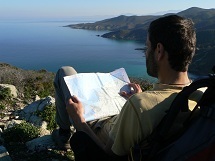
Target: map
99, 92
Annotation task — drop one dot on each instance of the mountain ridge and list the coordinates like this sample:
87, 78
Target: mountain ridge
203, 19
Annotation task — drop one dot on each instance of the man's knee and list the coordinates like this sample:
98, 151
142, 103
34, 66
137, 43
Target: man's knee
62, 72
67, 70
59, 83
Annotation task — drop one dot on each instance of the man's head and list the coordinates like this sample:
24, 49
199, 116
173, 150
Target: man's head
177, 37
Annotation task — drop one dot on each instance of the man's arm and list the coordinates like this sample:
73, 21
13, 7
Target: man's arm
76, 112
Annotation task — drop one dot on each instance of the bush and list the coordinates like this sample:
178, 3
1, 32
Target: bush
5, 93
28, 82
22, 132
48, 115
2, 107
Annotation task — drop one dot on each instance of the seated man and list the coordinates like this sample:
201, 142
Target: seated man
171, 44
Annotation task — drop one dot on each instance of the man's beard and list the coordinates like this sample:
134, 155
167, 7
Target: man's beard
151, 65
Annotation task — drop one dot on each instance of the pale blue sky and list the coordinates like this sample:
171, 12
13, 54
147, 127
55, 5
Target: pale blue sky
74, 9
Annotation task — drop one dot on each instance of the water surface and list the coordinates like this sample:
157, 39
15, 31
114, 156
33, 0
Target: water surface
48, 45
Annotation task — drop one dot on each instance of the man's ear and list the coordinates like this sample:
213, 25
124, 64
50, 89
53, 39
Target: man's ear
160, 51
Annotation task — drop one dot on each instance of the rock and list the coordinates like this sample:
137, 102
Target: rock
40, 144
39, 105
45, 102
44, 142
12, 89
36, 120
44, 132
4, 155
32, 107
6, 118
36, 98
11, 123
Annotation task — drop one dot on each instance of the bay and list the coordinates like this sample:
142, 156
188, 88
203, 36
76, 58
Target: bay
36, 45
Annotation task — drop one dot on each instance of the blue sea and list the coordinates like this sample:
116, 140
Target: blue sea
36, 45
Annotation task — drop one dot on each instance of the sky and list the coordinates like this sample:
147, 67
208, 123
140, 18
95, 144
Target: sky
93, 9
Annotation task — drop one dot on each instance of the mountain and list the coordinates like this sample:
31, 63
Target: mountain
121, 27
135, 28
117, 23
203, 19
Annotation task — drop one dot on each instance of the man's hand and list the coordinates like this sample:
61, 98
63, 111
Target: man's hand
135, 88
75, 110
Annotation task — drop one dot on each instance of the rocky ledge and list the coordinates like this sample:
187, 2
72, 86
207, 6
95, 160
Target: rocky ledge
26, 113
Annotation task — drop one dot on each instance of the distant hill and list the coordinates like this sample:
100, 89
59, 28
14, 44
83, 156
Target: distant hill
135, 28
203, 18
117, 23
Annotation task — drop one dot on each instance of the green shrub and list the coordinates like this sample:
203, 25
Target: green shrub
2, 115
2, 107
29, 83
5, 93
48, 115
22, 132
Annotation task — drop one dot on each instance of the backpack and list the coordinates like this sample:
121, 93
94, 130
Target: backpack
196, 139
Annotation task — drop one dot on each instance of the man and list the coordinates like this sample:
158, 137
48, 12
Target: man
171, 44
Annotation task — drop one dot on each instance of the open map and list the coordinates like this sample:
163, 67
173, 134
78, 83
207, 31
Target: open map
99, 92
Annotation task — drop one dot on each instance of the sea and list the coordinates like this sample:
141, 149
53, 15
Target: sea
49, 45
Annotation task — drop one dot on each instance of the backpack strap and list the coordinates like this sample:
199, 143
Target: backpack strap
180, 103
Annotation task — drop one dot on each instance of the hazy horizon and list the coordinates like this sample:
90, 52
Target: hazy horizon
91, 10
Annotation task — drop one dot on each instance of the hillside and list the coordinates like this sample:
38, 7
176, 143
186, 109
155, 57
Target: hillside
29, 83
117, 23
135, 28
122, 26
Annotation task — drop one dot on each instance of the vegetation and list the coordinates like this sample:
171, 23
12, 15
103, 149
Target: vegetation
5, 93
19, 152
203, 60
29, 83
22, 133
2, 106
48, 115
19, 134
144, 84
4, 98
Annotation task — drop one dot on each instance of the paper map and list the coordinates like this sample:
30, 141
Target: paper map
99, 92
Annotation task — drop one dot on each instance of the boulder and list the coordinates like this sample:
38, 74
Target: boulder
40, 144
27, 113
39, 105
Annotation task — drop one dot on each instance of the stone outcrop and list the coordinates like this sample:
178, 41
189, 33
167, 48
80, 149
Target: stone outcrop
27, 113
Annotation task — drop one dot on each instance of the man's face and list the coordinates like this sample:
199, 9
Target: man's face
151, 64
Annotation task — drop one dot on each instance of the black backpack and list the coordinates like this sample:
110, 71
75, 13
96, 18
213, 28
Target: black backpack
196, 140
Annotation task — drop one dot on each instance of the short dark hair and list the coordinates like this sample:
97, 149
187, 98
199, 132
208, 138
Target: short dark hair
178, 36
